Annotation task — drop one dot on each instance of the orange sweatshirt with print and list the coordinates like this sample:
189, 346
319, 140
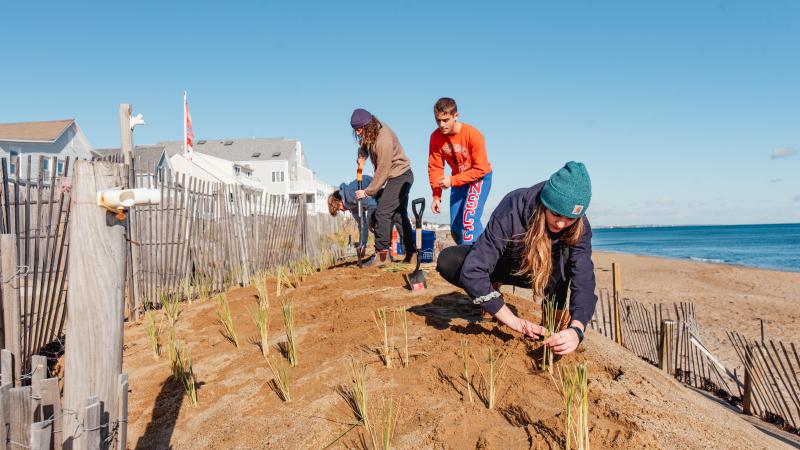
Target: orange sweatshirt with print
464, 152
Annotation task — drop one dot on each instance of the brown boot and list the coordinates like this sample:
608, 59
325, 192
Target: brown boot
382, 258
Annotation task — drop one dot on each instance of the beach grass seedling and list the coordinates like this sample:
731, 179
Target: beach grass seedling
153, 330
402, 312
387, 418
549, 315
465, 364
205, 285
494, 371
358, 386
281, 279
225, 319
381, 318
574, 384
291, 339
280, 382
260, 316
187, 290
184, 371
171, 305
260, 282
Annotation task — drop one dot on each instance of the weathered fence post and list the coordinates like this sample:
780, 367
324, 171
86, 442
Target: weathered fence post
126, 146
665, 348
304, 225
95, 302
617, 284
10, 283
747, 394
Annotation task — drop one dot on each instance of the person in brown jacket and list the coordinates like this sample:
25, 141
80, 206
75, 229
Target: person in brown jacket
390, 185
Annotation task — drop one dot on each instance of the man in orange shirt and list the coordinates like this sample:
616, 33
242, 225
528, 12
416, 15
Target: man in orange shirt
463, 148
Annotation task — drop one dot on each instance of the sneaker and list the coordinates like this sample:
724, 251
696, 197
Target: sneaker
409, 257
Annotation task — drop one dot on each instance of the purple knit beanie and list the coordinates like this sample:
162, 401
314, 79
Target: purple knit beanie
360, 118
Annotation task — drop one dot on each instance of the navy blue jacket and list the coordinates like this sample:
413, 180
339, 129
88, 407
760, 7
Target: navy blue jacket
503, 239
348, 193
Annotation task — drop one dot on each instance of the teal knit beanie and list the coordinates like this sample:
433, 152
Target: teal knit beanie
568, 191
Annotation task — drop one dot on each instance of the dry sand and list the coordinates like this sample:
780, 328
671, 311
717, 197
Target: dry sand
632, 404
727, 298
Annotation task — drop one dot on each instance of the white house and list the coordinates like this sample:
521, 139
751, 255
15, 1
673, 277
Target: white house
55, 138
278, 166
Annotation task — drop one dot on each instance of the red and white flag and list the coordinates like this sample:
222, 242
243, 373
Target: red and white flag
188, 135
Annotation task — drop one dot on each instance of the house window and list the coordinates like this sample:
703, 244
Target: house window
12, 162
277, 177
46, 168
237, 170
59, 168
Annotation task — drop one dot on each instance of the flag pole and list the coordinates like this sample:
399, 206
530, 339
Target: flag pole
184, 123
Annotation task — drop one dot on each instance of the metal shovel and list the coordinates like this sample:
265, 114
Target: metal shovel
362, 241
416, 279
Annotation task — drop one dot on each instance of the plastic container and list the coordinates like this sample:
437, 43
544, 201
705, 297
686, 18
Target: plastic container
428, 244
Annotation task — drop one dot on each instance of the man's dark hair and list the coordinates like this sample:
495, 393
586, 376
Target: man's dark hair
445, 105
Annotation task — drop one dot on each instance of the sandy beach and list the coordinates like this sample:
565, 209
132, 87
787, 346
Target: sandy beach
727, 298
633, 404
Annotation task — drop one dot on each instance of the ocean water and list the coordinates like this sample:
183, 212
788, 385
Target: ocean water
774, 247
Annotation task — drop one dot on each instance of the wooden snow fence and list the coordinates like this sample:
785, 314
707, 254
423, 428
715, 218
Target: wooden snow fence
32, 416
668, 337
771, 386
34, 213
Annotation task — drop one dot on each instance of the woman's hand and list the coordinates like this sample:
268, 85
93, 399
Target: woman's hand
519, 325
564, 342
361, 194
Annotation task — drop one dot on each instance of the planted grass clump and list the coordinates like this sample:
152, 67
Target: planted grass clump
403, 315
171, 305
551, 323
465, 363
183, 370
382, 430
281, 378
381, 318
380, 424
495, 368
205, 285
281, 279
260, 282
260, 316
291, 340
574, 384
153, 331
226, 320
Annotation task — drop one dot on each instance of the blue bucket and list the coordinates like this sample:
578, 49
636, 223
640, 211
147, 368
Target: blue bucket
428, 239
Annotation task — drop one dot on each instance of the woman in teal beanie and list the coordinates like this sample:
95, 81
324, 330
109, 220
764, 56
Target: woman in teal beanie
537, 238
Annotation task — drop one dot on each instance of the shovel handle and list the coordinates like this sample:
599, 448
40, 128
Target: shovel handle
360, 172
418, 206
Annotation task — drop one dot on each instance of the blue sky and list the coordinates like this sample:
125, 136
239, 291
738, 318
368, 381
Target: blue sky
684, 112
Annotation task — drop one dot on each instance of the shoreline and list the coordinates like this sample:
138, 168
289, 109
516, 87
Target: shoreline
696, 259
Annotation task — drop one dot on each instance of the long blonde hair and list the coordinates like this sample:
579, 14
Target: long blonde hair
537, 262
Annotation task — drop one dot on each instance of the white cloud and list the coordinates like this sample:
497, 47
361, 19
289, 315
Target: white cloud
775, 180
783, 152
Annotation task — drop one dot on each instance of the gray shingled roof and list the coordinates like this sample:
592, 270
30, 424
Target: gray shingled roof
261, 149
145, 156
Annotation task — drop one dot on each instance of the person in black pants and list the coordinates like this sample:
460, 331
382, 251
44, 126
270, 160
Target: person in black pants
537, 238
390, 185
